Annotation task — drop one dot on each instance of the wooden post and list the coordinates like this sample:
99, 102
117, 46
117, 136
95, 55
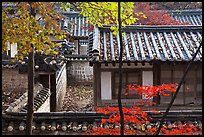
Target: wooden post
53, 105
96, 86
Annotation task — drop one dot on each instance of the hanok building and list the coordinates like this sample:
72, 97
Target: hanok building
152, 56
78, 64
146, 58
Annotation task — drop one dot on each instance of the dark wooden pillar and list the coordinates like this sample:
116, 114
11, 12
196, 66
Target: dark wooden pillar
53, 93
96, 85
156, 79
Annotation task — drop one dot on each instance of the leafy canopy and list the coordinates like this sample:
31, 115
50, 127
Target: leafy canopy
19, 26
106, 13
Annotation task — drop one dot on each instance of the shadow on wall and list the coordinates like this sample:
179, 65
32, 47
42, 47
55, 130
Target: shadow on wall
14, 85
79, 72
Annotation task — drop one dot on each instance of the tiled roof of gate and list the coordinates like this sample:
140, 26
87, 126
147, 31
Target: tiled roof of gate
41, 94
77, 22
146, 43
194, 17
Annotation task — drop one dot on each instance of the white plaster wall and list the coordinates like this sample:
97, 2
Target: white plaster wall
13, 49
147, 79
45, 106
106, 86
83, 49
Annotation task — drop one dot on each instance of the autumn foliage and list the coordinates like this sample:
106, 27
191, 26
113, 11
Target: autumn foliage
154, 17
146, 14
19, 26
136, 117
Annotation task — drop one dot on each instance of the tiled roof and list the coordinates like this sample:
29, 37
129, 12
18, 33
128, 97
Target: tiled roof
194, 17
77, 22
39, 99
73, 57
146, 43
40, 96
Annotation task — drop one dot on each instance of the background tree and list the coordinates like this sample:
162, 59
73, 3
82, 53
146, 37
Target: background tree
175, 5
20, 24
152, 15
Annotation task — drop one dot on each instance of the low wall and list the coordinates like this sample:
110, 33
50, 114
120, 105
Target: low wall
14, 82
13, 85
61, 87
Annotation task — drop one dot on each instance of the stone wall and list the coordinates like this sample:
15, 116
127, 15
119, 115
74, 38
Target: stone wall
14, 82
79, 71
61, 87
13, 86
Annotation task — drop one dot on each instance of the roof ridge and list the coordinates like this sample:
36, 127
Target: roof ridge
156, 27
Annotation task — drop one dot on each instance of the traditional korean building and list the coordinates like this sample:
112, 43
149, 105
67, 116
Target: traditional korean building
78, 64
152, 55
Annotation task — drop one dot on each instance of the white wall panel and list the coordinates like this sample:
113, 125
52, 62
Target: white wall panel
106, 86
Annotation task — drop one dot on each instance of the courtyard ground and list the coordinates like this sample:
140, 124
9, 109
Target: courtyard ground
78, 98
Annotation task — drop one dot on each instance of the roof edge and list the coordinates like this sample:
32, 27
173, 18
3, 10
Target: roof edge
157, 28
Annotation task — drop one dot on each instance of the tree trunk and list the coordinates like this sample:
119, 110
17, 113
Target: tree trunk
29, 120
120, 75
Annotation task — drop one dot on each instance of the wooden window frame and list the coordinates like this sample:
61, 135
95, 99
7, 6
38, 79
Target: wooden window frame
126, 72
172, 79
